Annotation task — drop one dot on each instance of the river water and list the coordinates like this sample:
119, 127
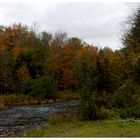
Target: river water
20, 119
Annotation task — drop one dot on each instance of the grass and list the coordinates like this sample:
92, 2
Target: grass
17, 99
21, 99
105, 128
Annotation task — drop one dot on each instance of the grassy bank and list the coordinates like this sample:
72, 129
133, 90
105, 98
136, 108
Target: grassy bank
17, 99
106, 128
21, 99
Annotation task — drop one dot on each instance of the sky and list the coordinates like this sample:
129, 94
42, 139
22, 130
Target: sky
100, 24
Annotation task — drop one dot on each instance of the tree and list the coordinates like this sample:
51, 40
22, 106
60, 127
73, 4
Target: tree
46, 39
131, 38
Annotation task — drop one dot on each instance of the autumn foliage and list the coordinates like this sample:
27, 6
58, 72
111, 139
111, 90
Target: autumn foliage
36, 63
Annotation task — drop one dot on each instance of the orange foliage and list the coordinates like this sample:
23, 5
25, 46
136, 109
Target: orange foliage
2, 48
23, 72
16, 51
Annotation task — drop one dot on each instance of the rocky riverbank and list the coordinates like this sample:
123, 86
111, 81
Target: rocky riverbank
20, 119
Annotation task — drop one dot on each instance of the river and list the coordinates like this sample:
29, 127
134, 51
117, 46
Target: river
18, 120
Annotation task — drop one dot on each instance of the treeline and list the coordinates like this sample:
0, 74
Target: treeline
42, 64
29, 61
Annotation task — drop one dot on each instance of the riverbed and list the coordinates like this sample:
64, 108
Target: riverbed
20, 119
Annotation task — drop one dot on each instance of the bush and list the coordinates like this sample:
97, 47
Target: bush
90, 111
104, 100
133, 112
25, 86
44, 86
104, 113
126, 96
94, 107
88, 107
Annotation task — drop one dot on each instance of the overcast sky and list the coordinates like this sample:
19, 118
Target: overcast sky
96, 23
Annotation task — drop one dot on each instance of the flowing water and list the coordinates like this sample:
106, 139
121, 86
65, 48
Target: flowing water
20, 119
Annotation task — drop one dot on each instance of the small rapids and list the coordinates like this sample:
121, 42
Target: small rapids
20, 119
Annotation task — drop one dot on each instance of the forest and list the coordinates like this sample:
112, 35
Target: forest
41, 65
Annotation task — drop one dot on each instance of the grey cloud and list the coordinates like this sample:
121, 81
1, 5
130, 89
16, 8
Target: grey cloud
97, 23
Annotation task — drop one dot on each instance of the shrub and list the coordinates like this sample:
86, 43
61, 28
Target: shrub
126, 95
88, 107
104, 100
25, 86
133, 112
44, 86
94, 107
90, 111
104, 113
